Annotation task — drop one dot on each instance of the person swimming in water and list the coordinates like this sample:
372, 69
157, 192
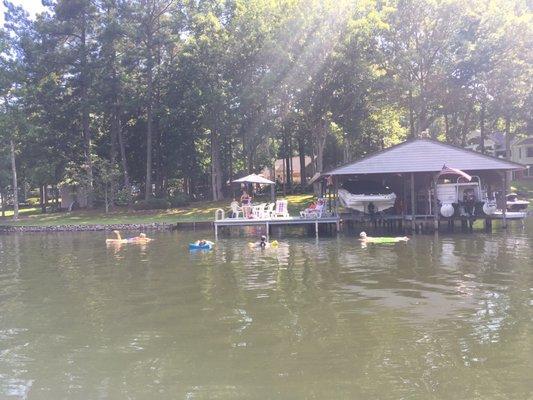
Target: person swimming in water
203, 242
263, 243
364, 238
142, 238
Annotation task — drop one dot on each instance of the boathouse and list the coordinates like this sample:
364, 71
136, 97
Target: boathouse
420, 177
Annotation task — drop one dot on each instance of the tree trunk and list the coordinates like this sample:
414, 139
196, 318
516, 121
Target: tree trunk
411, 116
15, 184
466, 128
149, 133
3, 195
447, 128
42, 202
301, 154
106, 199
320, 138
123, 160
216, 167
86, 133
508, 137
482, 128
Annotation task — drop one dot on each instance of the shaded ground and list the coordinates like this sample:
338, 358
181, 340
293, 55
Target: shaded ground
200, 211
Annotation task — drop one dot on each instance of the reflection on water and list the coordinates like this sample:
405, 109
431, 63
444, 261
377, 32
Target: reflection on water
436, 318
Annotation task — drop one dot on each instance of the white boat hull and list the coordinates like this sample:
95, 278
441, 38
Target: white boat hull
360, 202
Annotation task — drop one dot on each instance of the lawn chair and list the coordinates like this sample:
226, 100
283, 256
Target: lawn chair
269, 210
281, 210
314, 212
236, 210
258, 211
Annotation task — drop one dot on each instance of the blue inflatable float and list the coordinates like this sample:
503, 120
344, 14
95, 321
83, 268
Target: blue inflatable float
197, 246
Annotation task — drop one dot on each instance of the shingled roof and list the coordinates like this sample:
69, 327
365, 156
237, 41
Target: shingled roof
423, 155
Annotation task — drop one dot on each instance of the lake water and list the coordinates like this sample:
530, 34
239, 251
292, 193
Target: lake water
447, 317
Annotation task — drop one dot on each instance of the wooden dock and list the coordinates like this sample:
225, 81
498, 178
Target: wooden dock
391, 223
267, 223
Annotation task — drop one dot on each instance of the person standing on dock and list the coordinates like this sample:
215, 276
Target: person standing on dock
246, 204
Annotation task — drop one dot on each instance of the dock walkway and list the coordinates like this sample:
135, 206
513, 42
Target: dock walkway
242, 222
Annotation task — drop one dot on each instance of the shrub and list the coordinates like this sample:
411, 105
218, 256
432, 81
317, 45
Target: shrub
152, 204
124, 197
179, 199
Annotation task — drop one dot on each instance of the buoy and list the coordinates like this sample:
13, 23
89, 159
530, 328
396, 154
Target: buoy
447, 210
489, 208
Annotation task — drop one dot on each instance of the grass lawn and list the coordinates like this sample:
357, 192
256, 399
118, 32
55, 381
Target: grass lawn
199, 211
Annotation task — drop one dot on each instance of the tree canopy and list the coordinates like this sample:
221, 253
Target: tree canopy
161, 97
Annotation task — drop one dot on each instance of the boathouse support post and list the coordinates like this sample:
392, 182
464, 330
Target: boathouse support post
413, 203
435, 205
316, 229
504, 201
216, 231
267, 231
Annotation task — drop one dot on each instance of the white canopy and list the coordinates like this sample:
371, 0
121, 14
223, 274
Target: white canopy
253, 178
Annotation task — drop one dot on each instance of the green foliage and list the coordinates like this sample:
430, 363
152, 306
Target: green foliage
179, 199
124, 197
220, 88
152, 204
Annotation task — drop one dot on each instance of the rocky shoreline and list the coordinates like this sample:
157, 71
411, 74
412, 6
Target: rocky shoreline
155, 226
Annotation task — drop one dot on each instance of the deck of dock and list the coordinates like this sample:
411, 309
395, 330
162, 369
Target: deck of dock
243, 222
420, 223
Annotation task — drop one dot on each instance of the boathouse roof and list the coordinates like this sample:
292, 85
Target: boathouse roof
424, 155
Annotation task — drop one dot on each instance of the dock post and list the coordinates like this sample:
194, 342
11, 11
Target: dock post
504, 201
316, 229
267, 231
216, 231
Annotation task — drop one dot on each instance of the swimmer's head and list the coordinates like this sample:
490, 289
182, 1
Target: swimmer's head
263, 238
115, 231
362, 235
142, 235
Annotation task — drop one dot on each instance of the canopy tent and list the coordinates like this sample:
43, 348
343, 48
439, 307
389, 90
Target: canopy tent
254, 178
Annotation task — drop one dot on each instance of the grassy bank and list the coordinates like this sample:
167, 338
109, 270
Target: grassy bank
196, 212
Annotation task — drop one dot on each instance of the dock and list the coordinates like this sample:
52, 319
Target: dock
267, 223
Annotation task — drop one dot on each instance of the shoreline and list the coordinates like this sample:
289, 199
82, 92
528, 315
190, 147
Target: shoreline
152, 226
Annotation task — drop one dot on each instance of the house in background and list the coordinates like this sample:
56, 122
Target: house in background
494, 143
72, 196
280, 173
522, 152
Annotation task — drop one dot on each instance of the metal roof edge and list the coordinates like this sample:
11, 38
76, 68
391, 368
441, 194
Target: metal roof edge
513, 166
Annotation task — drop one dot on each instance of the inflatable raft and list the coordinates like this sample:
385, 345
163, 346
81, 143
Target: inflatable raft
205, 246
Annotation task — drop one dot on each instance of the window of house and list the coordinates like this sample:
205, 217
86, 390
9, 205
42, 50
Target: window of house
529, 151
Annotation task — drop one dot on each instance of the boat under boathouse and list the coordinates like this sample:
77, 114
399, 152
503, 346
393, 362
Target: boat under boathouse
421, 183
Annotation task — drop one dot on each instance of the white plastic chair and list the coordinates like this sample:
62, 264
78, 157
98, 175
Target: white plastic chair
236, 210
258, 211
269, 210
281, 210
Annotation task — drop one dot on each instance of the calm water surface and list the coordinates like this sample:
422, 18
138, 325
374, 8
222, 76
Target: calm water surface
447, 317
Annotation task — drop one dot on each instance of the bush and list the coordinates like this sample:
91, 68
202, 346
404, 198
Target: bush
179, 199
152, 204
124, 197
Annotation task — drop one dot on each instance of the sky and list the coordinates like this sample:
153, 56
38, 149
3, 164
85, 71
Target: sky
32, 6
